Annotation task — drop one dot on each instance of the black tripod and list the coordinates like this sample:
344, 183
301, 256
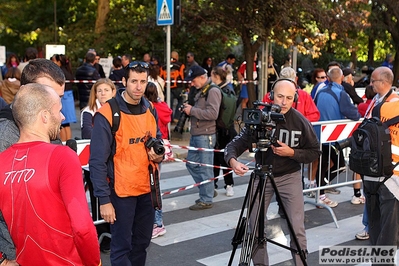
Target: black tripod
243, 233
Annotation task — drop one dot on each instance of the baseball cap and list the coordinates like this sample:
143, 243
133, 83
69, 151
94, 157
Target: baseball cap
348, 71
195, 71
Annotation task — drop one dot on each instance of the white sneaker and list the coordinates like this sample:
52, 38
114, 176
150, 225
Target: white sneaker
229, 191
328, 202
358, 200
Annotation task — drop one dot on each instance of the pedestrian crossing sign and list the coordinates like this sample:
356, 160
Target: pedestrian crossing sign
165, 12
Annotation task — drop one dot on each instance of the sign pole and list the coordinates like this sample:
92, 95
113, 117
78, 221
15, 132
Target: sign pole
168, 45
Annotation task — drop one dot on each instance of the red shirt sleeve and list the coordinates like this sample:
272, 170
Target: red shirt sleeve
67, 172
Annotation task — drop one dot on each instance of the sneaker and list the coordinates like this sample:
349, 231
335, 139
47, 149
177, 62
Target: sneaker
358, 200
229, 191
201, 206
328, 202
158, 231
215, 193
311, 194
363, 235
333, 191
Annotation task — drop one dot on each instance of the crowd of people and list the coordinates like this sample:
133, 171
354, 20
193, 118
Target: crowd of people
125, 114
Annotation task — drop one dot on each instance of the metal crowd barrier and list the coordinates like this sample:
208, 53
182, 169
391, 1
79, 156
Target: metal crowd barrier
328, 132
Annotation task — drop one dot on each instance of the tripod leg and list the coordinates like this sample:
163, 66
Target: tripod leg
242, 221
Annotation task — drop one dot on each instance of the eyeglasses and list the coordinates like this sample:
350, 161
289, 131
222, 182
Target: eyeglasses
322, 77
136, 64
375, 80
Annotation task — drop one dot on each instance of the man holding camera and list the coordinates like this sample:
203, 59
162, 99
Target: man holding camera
120, 165
296, 144
203, 132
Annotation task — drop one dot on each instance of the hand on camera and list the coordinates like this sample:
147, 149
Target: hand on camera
153, 156
187, 108
282, 149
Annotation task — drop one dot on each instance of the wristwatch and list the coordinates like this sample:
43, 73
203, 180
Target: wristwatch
3, 257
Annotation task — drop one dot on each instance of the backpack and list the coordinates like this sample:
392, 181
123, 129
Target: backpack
227, 109
371, 152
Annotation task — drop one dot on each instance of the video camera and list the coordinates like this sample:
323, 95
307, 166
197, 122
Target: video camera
262, 122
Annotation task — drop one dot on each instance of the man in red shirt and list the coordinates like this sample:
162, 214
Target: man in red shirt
42, 196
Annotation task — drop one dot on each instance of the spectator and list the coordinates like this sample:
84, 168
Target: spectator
147, 58
369, 93
223, 136
155, 60
37, 71
207, 64
334, 104
68, 102
228, 65
125, 202
190, 62
320, 85
381, 192
30, 54
318, 75
242, 76
155, 78
97, 65
272, 74
101, 92
176, 74
86, 72
388, 62
203, 135
12, 61
10, 85
297, 143
348, 83
117, 72
56, 175
126, 59
164, 117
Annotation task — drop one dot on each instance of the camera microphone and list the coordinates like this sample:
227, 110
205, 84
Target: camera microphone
71, 143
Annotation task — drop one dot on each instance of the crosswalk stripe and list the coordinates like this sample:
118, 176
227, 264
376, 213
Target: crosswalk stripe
317, 235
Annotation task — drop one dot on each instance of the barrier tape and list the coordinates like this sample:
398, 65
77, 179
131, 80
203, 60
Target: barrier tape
198, 184
202, 164
193, 148
166, 81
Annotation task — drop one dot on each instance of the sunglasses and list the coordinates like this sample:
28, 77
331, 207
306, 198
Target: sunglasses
322, 77
136, 64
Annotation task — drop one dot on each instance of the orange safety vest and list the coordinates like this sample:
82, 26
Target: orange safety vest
131, 174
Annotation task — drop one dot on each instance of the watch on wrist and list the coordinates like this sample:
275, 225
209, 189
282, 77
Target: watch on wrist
3, 257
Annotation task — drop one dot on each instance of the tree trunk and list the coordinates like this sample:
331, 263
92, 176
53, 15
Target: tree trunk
102, 15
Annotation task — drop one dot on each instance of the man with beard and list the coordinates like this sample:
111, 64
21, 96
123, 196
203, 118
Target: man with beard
60, 230
40, 71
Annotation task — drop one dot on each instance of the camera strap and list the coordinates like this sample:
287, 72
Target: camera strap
154, 184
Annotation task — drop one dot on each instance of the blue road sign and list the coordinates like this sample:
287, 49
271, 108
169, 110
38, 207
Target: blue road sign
165, 12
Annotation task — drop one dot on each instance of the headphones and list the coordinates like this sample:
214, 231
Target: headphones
271, 96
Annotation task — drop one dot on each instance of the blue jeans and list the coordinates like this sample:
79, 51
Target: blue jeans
365, 219
158, 218
201, 173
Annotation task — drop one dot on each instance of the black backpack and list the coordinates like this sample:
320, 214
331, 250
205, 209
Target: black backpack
371, 152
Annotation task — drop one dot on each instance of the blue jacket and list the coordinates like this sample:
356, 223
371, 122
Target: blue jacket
334, 103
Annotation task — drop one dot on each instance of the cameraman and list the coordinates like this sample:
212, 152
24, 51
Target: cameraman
296, 143
203, 132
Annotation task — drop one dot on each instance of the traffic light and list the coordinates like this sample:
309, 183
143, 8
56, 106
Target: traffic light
177, 12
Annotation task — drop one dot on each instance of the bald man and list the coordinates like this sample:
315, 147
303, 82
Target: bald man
296, 144
42, 184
